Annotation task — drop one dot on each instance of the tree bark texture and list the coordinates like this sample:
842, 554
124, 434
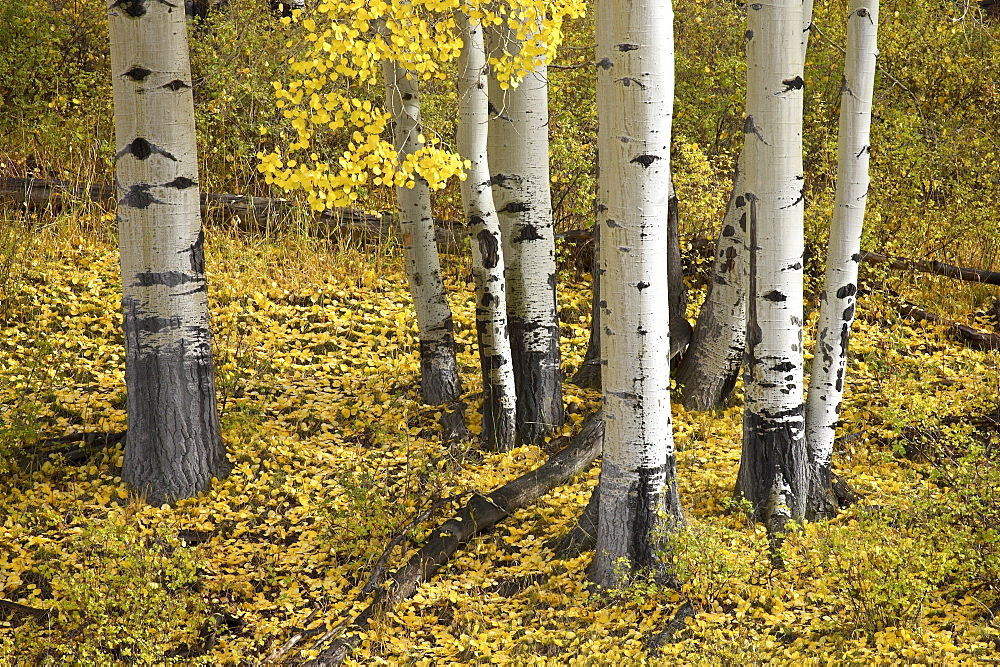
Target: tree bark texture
635, 87
499, 399
840, 284
711, 366
773, 466
519, 169
174, 446
439, 379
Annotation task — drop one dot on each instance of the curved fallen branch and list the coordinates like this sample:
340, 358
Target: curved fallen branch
478, 515
977, 340
937, 268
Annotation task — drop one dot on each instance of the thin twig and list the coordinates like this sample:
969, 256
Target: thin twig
895, 81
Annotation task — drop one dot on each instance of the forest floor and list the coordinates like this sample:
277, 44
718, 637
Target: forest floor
333, 454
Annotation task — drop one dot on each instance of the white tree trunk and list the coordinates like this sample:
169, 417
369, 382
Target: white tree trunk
499, 400
773, 467
837, 302
639, 499
174, 446
711, 366
519, 169
439, 379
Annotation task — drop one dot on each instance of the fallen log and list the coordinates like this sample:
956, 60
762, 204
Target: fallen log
937, 268
250, 213
478, 515
977, 340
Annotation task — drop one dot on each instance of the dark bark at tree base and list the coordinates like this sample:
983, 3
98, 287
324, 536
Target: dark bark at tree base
773, 469
173, 448
439, 381
480, 514
538, 379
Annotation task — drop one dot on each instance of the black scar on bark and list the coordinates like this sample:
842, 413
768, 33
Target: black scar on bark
175, 85
775, 296
499, 180
756, 6
552, 280
613, 224
605, 63
627, 47
796, 266
488, 300
750, 127
138, 196
488, 248
856, 257
137, 73
846, 291
527, 233
795, 83
168, 278
641, 285
142, 149
136, 8
783, 367
516, 207
645, 160
181, 183
197, 250
743, 218
152, 325
601, 208
748, 35
728, 230
849, 313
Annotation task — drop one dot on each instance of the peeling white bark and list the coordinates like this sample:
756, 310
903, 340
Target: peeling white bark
499, 401
774, 449
438, 369
635, 85
174, 446
519, 169
837, 302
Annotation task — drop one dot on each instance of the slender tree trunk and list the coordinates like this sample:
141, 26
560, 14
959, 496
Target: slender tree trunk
837, 302
439, 379
709, 369
589, 374
773, 467
499, 399
174, 445
639, 498
519, 168
711, 366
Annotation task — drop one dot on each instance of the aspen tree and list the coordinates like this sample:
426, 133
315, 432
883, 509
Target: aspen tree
708, 371
499, 396
839, 296
519, 173
635, 87
174, 446
773, 466
439, 379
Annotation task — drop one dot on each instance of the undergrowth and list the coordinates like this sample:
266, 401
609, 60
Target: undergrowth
334, 454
